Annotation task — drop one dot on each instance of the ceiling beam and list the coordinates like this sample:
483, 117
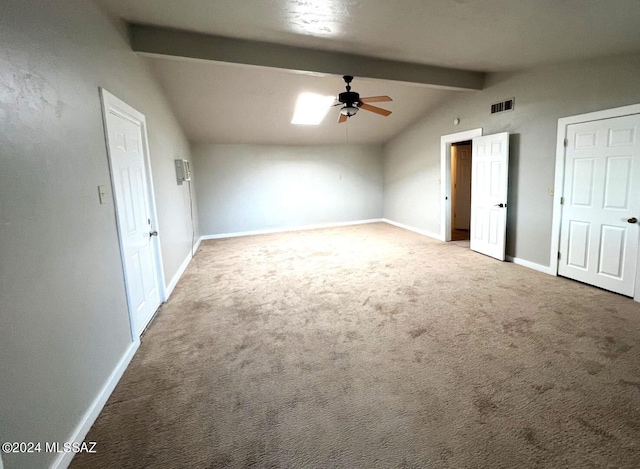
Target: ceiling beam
156, 40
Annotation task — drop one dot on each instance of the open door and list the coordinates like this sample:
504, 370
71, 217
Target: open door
489, 177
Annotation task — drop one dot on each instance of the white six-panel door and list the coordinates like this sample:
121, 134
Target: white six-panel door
489, 181
129, 180
598, 232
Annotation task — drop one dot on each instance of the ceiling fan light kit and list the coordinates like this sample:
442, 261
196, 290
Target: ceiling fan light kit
348, 110
352, 102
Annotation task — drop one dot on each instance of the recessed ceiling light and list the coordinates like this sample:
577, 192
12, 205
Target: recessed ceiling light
311, 108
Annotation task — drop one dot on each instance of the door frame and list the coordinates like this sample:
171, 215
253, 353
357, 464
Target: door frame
112, 103
445, 177
558, 186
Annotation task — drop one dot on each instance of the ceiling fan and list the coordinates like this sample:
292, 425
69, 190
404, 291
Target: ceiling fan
351, 102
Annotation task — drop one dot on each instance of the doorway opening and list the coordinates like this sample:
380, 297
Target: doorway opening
490, 174
461, 157
447, 142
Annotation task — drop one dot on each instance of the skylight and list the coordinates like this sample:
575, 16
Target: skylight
311, 109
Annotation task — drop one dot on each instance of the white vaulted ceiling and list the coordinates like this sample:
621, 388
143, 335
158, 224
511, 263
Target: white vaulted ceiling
230, 103
224, 103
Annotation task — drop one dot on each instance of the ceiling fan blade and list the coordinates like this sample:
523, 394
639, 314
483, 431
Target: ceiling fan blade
377, 110
375, 99
342, 119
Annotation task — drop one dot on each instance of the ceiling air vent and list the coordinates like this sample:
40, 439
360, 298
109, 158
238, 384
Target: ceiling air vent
503, 106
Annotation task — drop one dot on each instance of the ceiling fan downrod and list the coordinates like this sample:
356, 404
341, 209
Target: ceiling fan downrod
348, 79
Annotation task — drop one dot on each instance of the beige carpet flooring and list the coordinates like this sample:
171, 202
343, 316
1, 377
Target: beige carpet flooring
374, 347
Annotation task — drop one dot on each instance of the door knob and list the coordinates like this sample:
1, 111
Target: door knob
632, 220
153, 233
500, 205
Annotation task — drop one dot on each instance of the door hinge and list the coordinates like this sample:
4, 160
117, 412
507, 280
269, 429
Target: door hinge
561, 200
566, 142
558, 255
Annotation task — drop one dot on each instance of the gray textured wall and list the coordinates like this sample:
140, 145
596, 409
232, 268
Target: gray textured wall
256, 187
412, 159
63, 316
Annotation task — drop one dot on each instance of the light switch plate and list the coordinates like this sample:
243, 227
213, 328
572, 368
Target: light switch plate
102, 193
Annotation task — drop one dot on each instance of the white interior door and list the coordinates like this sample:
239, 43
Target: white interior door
599, 231
489, 180
462, 188
127, 144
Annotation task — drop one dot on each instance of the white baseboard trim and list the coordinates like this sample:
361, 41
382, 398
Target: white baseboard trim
531, 265
178, 275
64, 459
197, 245
291, 228
411, 228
